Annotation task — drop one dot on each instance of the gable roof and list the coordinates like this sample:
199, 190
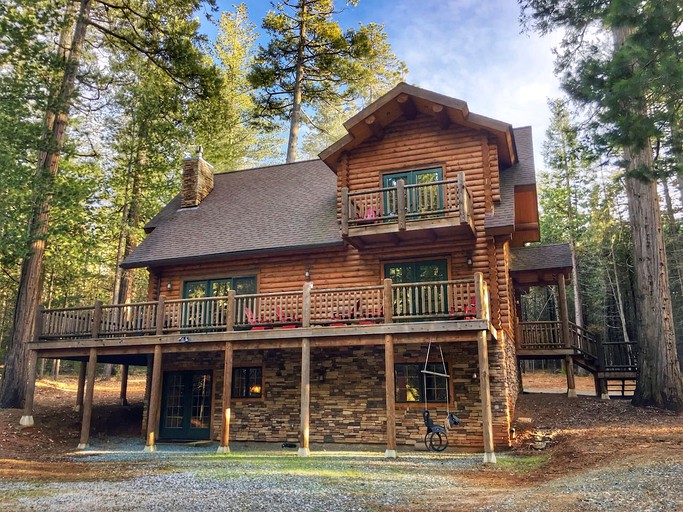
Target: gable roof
522, 173
407, 100
280, 207
541, 257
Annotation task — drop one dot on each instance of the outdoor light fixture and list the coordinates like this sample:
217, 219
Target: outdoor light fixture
321, 374
469, 259
307, 272
169, 286
474, 376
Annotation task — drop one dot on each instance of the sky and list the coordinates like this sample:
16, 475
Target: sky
472, 50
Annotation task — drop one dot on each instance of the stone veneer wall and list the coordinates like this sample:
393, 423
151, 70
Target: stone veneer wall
348, 406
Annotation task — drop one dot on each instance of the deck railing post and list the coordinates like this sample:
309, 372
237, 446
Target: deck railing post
481, 296
345, 211
230, 320
401, 204
96, 319
161, 314
388, 304
462, 200
306, 305
38, 329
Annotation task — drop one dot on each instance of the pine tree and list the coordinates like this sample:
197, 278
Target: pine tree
627, 87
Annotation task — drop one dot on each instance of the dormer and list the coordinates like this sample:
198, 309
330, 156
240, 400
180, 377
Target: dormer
418, 166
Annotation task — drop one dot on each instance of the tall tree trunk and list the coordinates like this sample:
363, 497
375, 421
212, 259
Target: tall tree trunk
677, 276
659, 381
30, 283
616, 289
295, 117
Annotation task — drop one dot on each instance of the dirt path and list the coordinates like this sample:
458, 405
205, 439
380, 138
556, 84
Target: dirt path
597, 455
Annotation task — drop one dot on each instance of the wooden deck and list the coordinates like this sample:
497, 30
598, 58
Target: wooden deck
545, 340
430, 211
415, 313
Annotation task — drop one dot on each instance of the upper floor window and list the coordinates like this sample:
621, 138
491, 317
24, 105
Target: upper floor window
219, 287
422, 192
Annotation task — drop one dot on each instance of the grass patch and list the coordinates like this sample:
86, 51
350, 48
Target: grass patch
522, 463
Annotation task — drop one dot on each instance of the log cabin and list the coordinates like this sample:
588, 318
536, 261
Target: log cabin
334, 300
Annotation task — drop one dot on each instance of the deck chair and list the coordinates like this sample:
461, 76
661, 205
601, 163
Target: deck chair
251, 319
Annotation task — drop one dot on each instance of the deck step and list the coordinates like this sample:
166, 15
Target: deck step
621, 388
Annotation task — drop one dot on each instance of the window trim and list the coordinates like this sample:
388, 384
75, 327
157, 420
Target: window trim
234, 397
420, 366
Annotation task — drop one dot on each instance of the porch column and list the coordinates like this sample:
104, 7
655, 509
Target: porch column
227, 395
87, 405
124, 385
81, 387
390, 452
304, 450
27, 418
154, 402
485, 392
566, 338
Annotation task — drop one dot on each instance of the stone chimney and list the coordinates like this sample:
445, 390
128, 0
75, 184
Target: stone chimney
197, 180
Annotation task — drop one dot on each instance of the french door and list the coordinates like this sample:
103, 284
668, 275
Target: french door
186, 405
410, 301
421, 197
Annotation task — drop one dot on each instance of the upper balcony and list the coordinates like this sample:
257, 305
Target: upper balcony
416, 309
424, 211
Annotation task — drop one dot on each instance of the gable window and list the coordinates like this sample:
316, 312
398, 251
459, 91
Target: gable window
208, 315
421, 197
411, 385
247, 382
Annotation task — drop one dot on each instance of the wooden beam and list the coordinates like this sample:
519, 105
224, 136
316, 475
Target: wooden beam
304, 430
123, 400
375, 127
407, 106
154, 402
485, 392
224, 446
441, 115
390, 387
345, 211
30, 389
87, 404
161, 315
230, 322
81, 386
388, 305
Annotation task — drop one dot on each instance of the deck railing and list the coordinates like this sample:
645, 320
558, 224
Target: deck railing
403, 203
619, 356
390, 302
542, 335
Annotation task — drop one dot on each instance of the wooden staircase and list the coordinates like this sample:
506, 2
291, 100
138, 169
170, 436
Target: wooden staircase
613, 364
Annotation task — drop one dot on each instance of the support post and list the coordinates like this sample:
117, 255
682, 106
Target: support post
390, 452
566, 336
604, 389
388, 305
401, 204
123, 399
304, 449
81, 386
485, 391
345, 211
306, 305
161, 314
571, 383
96, 320
224, 446
154, 402
27, 418
230, 318
462, 198
87, 404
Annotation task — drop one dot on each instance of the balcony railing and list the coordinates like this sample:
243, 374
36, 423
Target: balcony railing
547, 335
405, 203
387, 303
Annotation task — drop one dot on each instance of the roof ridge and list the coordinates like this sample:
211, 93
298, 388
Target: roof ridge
285, 164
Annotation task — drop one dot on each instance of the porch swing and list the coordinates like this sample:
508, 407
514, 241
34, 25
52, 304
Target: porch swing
436, 437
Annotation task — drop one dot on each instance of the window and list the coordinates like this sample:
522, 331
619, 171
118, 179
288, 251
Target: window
412, 385
418, 301
420, 196
247, 382
212, 314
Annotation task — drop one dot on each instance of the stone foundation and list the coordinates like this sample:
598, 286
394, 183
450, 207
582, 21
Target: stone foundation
347, 395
